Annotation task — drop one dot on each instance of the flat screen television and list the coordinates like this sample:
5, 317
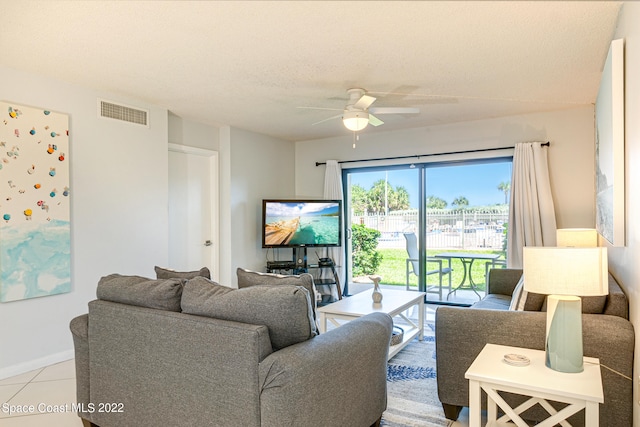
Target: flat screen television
301, 223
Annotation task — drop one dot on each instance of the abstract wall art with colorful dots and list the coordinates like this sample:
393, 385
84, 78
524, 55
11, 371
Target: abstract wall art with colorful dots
35, 227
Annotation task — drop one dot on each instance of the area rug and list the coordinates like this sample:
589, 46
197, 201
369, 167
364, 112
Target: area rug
412, 396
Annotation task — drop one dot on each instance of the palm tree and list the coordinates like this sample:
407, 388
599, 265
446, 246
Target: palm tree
460, 202
399, 199
358, 199
435, 202
378, 196
383, 197
505, 187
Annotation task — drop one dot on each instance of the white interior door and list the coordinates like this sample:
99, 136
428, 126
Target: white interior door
193, 209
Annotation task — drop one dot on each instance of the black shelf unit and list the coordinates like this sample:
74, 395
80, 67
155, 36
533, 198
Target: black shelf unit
299, 265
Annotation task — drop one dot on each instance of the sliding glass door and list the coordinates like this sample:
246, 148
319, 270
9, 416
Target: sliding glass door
436, 228
466, 211
383, 212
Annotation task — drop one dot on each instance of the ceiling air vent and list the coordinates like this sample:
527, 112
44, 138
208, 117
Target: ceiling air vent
111, 110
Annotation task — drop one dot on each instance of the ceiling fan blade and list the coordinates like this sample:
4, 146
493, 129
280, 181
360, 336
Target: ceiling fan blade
364, 102
321, 108
405, 92
394, 110
327, 119
374, 121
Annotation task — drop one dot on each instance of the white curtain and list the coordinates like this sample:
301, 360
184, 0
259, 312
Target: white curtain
333, 191
532, 218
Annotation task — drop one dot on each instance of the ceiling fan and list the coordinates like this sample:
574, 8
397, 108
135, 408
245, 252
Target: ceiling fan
358, 112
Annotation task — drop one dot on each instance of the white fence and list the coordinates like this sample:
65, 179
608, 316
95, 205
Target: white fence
447, 229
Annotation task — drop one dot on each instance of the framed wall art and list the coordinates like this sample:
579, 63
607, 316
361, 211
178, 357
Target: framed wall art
610, 176
35, 226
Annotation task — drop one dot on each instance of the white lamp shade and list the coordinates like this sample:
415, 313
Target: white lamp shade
566, 271
355, 120
577, 237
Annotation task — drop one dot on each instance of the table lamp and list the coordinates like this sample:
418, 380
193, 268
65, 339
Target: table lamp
577, 237
565, 274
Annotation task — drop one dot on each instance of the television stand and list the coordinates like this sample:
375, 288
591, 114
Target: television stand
300, 260
330, 281
298, 265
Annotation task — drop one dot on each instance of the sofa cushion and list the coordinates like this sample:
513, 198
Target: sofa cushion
248, 278
163, 294
594, 305
494, 302
590, 305
534, 301
523, 300
519, 296
617, 303
284, 309
200, 289
167, 273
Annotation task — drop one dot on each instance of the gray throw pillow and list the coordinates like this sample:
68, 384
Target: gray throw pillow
167, 273
285, 310
199, 290
590, 305
534, 301
248, 278
163, 294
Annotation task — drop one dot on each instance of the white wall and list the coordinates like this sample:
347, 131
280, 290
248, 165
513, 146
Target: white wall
118, 213
185, 132
624, 262
571, 154
261, 167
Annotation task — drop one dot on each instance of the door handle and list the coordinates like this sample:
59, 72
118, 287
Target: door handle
208, 243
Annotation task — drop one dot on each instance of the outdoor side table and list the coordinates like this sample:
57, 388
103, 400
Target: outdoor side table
467, 259
491, 374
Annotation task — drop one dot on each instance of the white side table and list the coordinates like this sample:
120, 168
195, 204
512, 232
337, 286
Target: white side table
489, 373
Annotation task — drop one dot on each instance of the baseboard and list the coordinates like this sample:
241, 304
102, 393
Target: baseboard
21, 368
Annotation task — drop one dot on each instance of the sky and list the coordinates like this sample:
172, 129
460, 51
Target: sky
477, 182
297, 209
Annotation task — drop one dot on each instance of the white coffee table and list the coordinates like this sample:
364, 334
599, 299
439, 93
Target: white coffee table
394, 303
488, 372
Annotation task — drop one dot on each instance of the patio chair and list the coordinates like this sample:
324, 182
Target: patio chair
412, 265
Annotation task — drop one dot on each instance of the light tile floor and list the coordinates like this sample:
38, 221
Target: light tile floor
49, 390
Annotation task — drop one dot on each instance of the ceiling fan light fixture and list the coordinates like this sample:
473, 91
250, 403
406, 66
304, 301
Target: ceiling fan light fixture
355, 120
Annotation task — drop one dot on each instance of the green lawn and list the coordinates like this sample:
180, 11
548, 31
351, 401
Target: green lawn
393, 268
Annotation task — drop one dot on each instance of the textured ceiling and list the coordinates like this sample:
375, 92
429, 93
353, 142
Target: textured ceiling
251, 64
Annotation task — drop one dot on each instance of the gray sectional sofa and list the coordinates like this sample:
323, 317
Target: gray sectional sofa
187, 352
462, 332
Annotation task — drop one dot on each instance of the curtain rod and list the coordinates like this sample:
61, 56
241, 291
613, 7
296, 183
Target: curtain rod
546, 144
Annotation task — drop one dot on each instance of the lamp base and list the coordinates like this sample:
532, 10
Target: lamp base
564, 334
